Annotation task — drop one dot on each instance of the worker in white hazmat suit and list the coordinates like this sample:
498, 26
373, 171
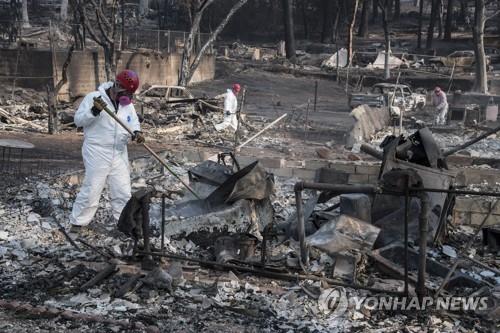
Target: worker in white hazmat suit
441, 103
104, 147
230, 108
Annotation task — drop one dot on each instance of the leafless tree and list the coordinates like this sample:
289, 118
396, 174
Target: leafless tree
440, 18
352, 21
430, 30
26, 21
420, 19
397, 10
101, 23
363, 23
188, 62
327, 29
384, 9
480, 18
374, 16
64, 10
289, 29
143, 7
449, 20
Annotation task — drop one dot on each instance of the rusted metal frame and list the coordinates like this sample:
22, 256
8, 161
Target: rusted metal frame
270, 274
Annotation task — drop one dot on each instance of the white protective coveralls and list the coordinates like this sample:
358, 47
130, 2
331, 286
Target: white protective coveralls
441, 104
230, 108
105, 156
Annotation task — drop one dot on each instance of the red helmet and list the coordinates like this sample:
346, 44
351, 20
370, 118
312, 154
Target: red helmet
128, 80
236, 87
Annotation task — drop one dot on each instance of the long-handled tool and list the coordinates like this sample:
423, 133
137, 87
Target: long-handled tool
158, 158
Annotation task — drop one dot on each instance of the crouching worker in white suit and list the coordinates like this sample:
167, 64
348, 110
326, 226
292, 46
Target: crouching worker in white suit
104, 147
230, 108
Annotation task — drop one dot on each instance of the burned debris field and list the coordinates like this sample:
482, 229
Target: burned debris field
250, 166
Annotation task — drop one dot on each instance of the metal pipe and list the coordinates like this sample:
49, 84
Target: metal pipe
306, 124
371, 150
483, 265
273, 275
304, 255
162, 222
458, 192
93, 248
315, 94
422, 258
407, 217
371, 189
470, 142
260, 132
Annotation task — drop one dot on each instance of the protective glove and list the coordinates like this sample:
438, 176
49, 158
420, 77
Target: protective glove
138, 137
98, 106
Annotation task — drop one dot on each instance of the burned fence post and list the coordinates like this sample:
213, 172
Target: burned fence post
304, 254
306, 123
315, 94
51, 109
238, 116
424, 212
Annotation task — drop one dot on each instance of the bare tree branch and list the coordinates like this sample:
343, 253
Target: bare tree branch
100, 14
92, 33
492, 15
212, 38
103, 33
65, 66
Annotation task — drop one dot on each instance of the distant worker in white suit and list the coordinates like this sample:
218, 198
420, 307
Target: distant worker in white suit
230, 108
104, 147
441, 103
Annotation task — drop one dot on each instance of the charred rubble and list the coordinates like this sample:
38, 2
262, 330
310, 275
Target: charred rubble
242, 252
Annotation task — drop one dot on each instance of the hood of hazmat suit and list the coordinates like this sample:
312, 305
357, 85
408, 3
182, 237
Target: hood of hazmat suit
105, 156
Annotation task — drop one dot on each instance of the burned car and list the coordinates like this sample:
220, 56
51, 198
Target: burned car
458, 59
164, 93
160, 97
381, 93
493, 53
